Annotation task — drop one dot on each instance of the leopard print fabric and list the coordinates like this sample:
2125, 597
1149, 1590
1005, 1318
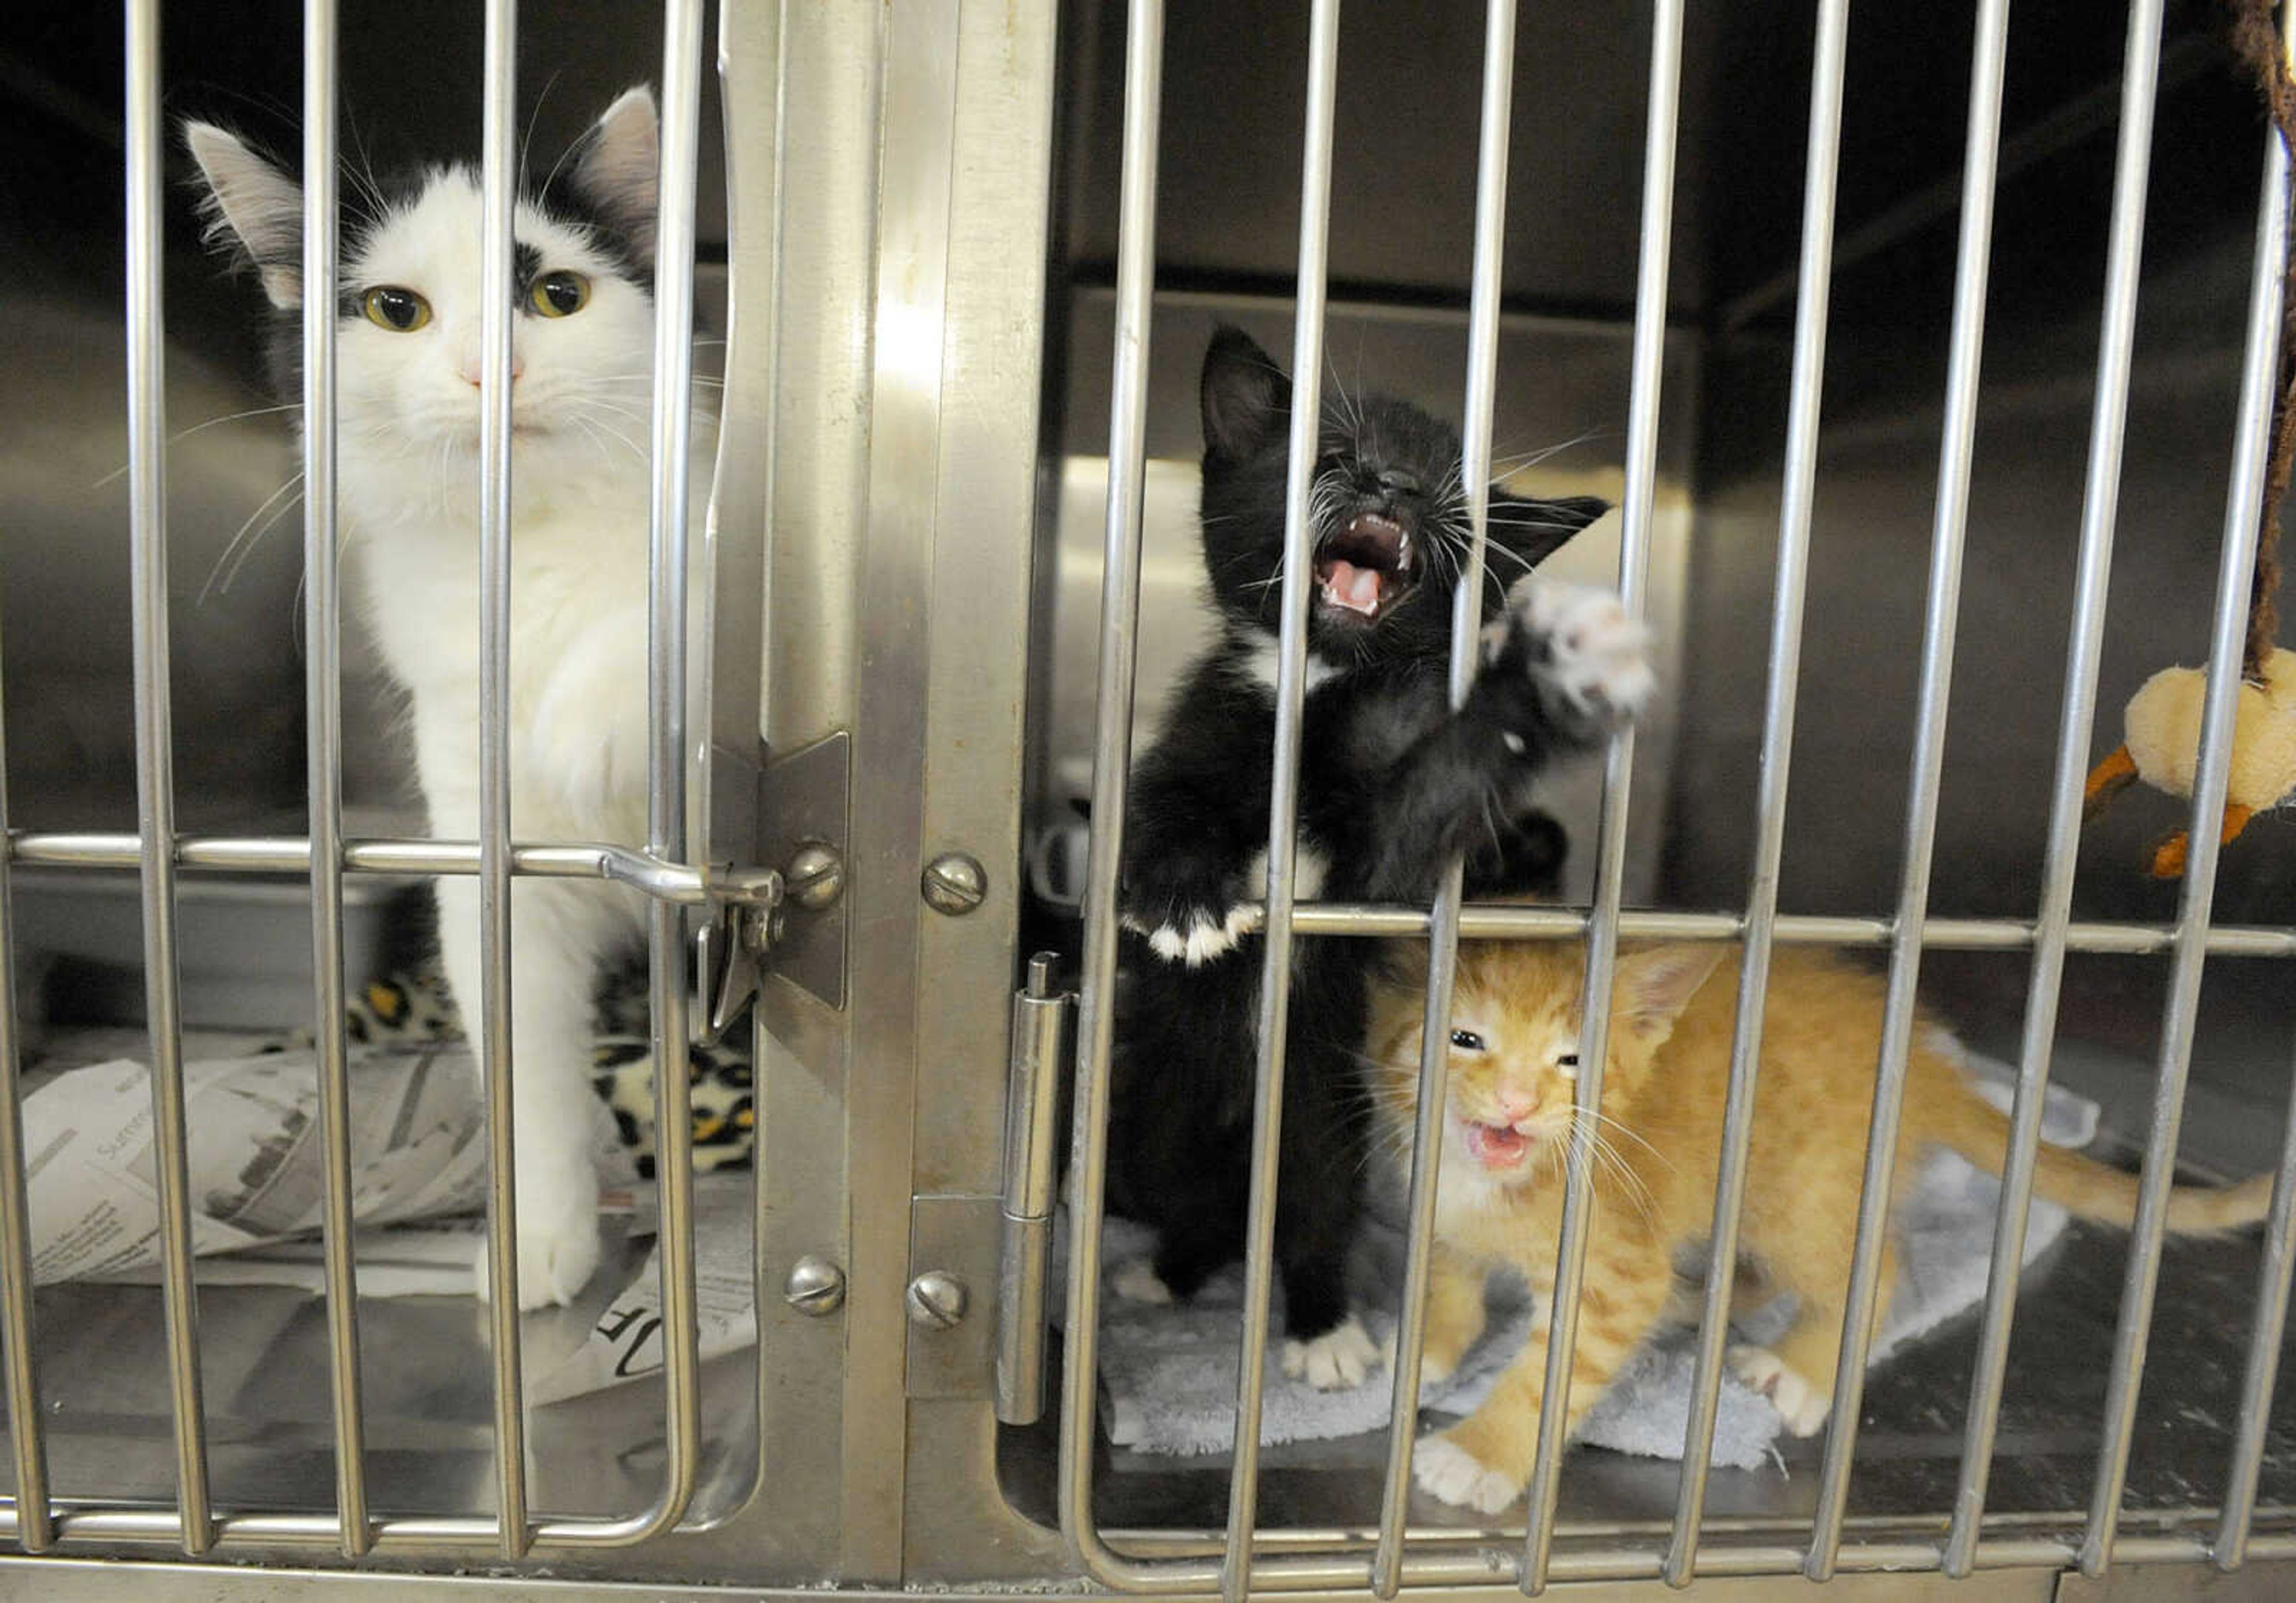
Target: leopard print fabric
412, 1005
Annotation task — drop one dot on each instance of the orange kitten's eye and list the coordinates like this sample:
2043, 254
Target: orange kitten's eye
1568, 1063
1466, 1041
390, 306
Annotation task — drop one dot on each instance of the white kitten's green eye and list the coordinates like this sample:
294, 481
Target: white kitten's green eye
1466, 1041
390, 306
559, 294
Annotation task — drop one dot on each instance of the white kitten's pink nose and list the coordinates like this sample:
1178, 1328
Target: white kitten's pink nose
471, 367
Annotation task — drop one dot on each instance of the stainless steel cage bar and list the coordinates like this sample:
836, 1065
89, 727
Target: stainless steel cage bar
1443, 917
2108, 425
2273, 1280
1762, 924
1284, 795
666, 832
155, 757
2244, 502
19, 1382
498, 275
681, 883
324, 764
1966, 347
1112, 756
1648, 367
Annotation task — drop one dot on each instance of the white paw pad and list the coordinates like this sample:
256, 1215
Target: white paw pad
1135, 1282
1596, 653
1342, 1357
1448, 1472
1197, 943
553, 1265
1801, 1405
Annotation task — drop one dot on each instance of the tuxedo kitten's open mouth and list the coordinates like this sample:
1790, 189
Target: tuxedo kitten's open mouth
1366, 568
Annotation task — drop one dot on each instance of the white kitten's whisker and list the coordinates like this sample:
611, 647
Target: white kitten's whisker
213, 422
526, 140
233, 545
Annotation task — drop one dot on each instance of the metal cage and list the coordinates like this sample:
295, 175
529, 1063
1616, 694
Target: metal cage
819, 681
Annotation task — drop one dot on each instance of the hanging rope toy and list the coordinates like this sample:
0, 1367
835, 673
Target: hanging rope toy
2160, 728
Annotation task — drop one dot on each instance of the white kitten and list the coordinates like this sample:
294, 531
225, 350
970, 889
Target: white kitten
407, 465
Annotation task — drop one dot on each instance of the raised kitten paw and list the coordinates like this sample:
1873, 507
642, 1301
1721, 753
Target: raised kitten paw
1451, 1474
1801, 1405
1135, 1282
1342, 1357
1194, 937
1580, 646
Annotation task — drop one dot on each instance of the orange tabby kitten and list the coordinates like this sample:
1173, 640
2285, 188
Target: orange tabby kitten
1514, 1039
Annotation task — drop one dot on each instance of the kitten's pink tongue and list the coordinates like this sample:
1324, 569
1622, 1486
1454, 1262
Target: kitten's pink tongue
1495, 1146
1352, 587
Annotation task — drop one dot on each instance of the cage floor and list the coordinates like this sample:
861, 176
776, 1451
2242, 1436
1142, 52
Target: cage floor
1908, 1448
429, 1409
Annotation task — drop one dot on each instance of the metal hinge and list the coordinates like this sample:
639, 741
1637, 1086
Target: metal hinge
1032, 1104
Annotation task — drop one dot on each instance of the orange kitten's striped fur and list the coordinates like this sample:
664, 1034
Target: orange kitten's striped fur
1499, 1201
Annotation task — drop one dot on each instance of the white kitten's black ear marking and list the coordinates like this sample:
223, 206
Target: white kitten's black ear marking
251, 208
1654, 986
618, 173
1534, 530
1247, 400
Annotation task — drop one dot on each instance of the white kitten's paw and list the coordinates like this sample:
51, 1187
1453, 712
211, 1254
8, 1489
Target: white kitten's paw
1448, 1472
1801, 1405
1135, 1282
1585, 647
557, 1240
1342, 1357
1204, 936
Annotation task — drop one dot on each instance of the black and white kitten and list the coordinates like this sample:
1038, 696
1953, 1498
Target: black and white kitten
407, 473
1392, 784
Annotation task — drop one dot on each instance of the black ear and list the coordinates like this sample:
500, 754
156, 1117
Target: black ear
616, 175
1247, 400
1535, 530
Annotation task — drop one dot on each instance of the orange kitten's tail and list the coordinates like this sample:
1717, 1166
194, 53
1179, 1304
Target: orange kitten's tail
1978, 1131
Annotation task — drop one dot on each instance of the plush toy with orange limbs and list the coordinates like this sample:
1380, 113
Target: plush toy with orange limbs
2161, 736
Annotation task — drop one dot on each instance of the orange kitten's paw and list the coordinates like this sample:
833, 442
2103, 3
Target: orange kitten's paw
1800, 1405
1342, 1357
1446, 1471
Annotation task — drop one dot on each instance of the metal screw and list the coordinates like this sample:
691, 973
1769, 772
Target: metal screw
955, 883
815, 876
936, 1300
815, 1286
